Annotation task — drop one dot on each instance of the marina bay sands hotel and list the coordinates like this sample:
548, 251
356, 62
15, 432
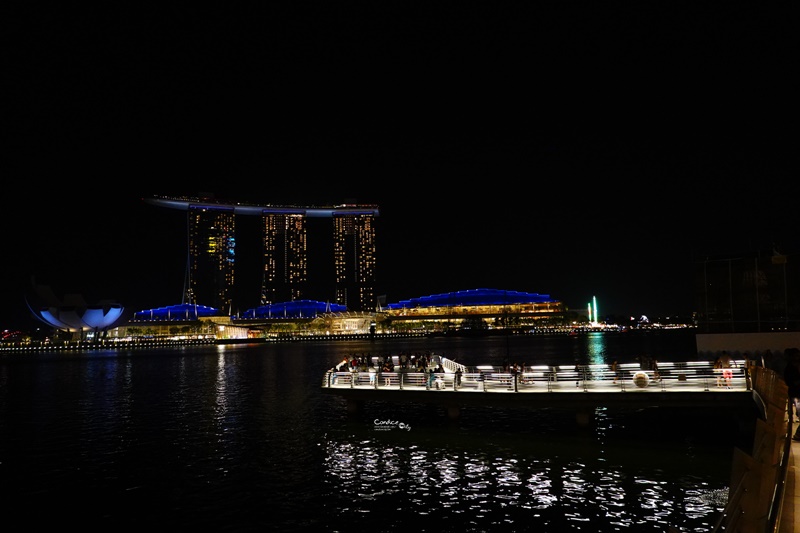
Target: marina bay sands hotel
211, 261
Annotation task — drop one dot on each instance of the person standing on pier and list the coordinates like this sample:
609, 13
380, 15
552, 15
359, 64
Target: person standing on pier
431, 377
387, 368
718, 370
726, 363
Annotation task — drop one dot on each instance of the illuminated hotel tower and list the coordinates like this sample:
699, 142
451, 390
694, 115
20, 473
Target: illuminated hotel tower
212, 242
354, 259
285, 257
211, 258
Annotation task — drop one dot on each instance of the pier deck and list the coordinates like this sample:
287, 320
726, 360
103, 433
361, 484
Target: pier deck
692, 384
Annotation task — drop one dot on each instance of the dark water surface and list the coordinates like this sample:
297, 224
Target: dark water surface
240, 438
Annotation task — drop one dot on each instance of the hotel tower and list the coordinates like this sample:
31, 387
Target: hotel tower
212, 242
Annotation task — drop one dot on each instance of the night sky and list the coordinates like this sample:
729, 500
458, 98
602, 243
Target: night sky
572, 152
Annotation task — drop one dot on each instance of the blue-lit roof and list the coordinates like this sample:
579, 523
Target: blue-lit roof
313, 308
295, 309
472, 297
176, 312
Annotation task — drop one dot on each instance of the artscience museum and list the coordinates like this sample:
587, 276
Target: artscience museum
71, 314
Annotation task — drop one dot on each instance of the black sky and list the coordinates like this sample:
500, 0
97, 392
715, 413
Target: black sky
575, 152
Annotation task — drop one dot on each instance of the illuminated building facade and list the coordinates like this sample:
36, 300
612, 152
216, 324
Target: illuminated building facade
211, 261
354, 260
285, 266
212, 243
475, 309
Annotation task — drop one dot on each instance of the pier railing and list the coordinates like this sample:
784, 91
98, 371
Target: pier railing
671, 376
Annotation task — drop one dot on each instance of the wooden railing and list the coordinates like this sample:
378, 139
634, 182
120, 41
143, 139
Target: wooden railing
755, 499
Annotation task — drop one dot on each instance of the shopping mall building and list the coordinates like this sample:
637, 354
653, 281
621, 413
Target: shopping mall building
477, 310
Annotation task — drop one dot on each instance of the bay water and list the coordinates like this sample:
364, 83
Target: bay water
240, 437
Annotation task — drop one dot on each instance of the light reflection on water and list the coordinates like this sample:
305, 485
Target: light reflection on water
596, 348
541, 480
379, 488
241, 438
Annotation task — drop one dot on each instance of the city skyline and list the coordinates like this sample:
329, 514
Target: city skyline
213, 242
602, 155
111, 262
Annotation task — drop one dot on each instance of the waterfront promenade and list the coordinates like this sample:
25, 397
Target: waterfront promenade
579, 387
576, 388
766, 503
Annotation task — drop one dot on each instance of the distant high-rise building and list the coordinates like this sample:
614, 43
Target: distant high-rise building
284, 245
747, 292
354, 259
211, 259
285, 266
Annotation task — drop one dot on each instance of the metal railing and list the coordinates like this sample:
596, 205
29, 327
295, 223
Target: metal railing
673, 376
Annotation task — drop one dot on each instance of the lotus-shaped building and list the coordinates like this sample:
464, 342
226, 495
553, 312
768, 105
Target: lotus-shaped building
72, 313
